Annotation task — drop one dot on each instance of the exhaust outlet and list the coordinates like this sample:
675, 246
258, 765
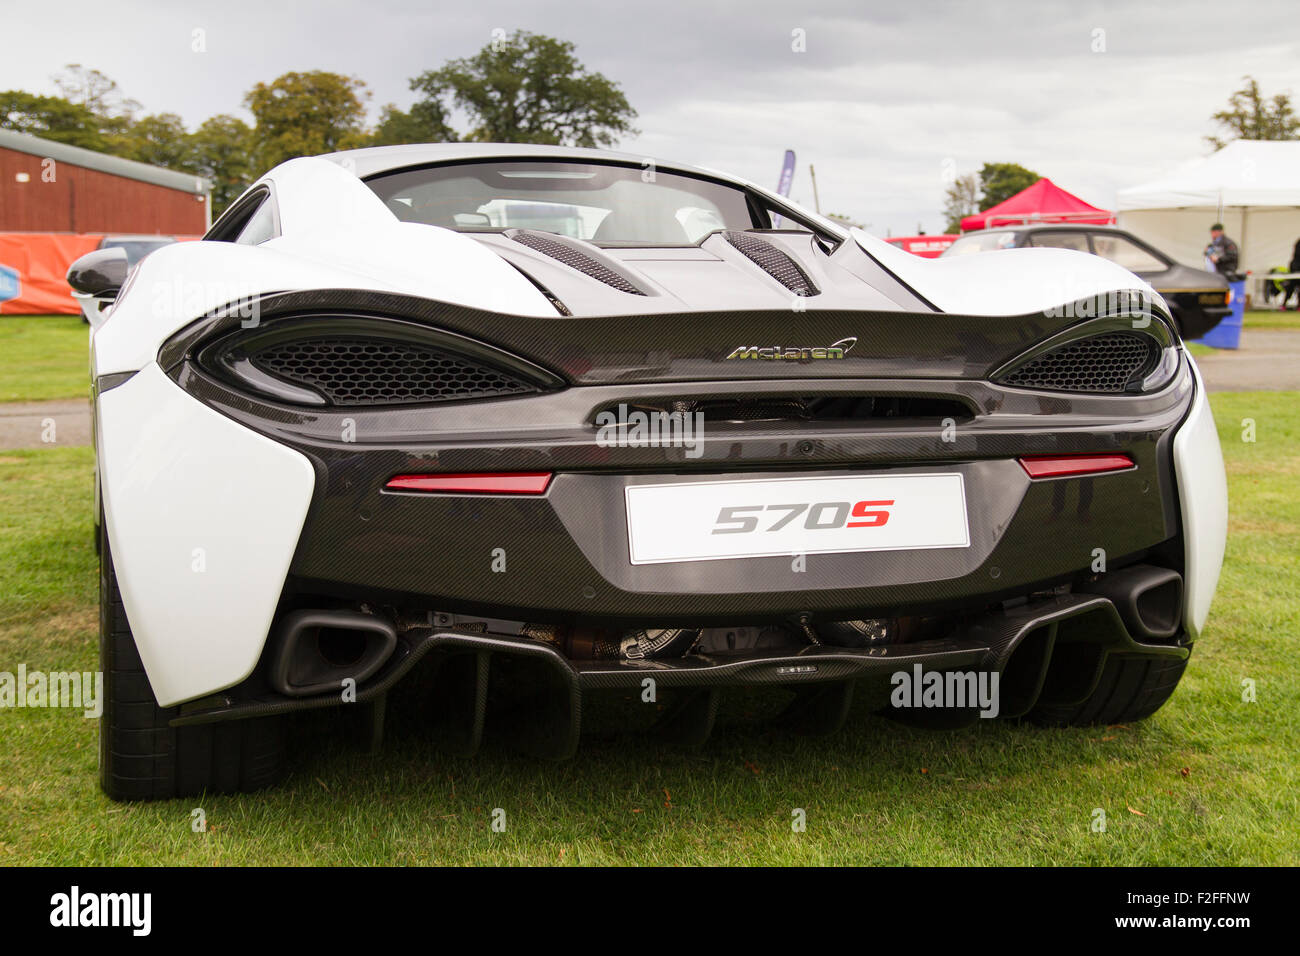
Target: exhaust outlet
1149, 600
315, 651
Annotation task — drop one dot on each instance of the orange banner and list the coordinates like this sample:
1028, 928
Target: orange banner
33, 270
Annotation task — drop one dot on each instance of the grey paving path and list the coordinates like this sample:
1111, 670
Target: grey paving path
1268, 360
34, 424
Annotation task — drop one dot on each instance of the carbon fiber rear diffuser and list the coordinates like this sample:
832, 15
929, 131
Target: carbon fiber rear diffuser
821, 676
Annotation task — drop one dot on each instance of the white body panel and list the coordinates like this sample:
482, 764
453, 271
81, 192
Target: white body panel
336, 234
94, 309
1010, 283
1007, 282
203, 517
994, 286
1203, 498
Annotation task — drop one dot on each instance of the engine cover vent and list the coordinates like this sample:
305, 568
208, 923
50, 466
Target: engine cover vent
361, 371
575, 259
1106, 363
774, 262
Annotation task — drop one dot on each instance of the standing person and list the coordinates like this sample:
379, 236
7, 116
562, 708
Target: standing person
1292, 286
1222, 251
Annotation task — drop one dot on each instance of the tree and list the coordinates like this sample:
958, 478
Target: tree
302, 114
52, 117
1250, 116
1001, 181
220, 150
159, 140
528, 88
961, 199
425, 123
95, 91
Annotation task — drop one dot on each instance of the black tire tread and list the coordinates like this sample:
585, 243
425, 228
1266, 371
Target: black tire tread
142, 757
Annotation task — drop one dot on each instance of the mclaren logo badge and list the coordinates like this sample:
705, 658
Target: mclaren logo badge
794, 353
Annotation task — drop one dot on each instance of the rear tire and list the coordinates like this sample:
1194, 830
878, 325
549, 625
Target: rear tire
141, 757
1131, 688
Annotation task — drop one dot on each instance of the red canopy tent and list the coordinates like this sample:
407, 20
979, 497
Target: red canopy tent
1044, 201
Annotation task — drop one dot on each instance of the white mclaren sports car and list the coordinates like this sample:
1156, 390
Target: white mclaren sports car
535, 423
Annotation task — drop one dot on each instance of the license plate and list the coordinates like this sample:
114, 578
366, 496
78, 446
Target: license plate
719, 520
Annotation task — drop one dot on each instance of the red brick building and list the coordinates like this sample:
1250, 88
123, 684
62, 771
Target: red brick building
53, 187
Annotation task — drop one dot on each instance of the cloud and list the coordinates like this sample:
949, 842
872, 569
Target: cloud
884, 93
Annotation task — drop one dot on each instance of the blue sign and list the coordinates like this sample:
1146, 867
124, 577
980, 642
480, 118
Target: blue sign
10, 286
787, 174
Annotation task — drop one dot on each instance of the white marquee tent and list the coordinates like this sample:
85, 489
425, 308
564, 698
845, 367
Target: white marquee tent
1251, 186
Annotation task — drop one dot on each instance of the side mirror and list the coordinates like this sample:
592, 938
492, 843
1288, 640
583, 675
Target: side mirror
100, 273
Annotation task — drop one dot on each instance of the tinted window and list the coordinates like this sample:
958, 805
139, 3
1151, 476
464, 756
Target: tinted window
981, 242
233, 223
136, 249
1077, 241
1126, 253
259, 228
605, 204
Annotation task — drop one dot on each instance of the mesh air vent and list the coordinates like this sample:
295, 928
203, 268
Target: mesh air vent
1099, 363
773, 261
575, 259
359, 371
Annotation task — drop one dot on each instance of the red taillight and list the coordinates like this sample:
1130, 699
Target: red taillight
1057, 466
500, 483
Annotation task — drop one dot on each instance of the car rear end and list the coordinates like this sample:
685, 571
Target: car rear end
714, 502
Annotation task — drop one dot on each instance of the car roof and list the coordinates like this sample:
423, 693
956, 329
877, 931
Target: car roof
373, 160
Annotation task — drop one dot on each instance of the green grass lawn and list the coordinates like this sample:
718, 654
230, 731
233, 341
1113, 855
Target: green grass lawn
43, 357
1270, 319
1209, 779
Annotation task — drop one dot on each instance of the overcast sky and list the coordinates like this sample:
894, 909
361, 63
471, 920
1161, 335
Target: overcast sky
886, 99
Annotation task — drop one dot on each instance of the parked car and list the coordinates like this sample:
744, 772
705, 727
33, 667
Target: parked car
928, 247
648, 445
136, 247
133, 248
1198, 300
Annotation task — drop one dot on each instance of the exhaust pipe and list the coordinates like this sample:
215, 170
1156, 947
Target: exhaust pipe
315, 651
1149, 600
